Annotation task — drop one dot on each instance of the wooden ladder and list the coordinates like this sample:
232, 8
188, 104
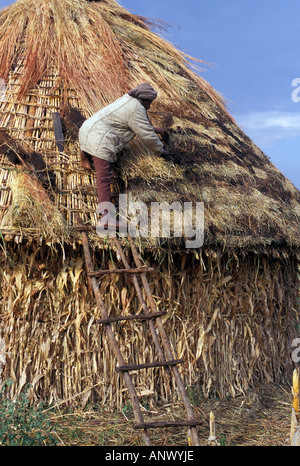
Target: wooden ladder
153, 317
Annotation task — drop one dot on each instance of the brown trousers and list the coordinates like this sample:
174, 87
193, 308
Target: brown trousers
104, 177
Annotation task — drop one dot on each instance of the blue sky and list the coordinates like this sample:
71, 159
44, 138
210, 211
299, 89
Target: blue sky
254, 47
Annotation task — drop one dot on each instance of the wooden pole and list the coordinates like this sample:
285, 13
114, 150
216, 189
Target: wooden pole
296, 390
294, 434
212, 441
192, 434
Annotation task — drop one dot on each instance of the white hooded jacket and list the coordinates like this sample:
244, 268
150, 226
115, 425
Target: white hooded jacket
109, 130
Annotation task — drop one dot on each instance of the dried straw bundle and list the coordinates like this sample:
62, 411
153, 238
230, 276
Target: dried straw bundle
93, 45
31, 207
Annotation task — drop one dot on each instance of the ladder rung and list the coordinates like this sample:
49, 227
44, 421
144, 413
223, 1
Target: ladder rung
148, 365
112, 271
85, 228
156, 425
153, 315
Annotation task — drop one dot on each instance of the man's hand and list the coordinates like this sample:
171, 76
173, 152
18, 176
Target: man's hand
84, 161
163, 132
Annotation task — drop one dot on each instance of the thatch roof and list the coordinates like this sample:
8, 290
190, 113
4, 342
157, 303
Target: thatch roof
61, 55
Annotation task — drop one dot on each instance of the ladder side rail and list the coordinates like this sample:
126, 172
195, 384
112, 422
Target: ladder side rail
113, 342
166, 344
142, 301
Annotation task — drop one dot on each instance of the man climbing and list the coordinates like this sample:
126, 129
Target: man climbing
107, 132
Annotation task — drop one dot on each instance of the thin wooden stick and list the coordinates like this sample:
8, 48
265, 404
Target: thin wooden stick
148, 365
295, 410
158, 424
120, 271
212, 441
131, 317
296, 390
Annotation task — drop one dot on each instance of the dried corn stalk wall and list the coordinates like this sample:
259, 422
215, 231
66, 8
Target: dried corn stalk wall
232, 321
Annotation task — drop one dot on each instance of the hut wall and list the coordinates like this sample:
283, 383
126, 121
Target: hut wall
231, 319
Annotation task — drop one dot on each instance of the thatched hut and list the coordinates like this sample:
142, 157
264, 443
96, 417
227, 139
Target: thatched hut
232, 309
